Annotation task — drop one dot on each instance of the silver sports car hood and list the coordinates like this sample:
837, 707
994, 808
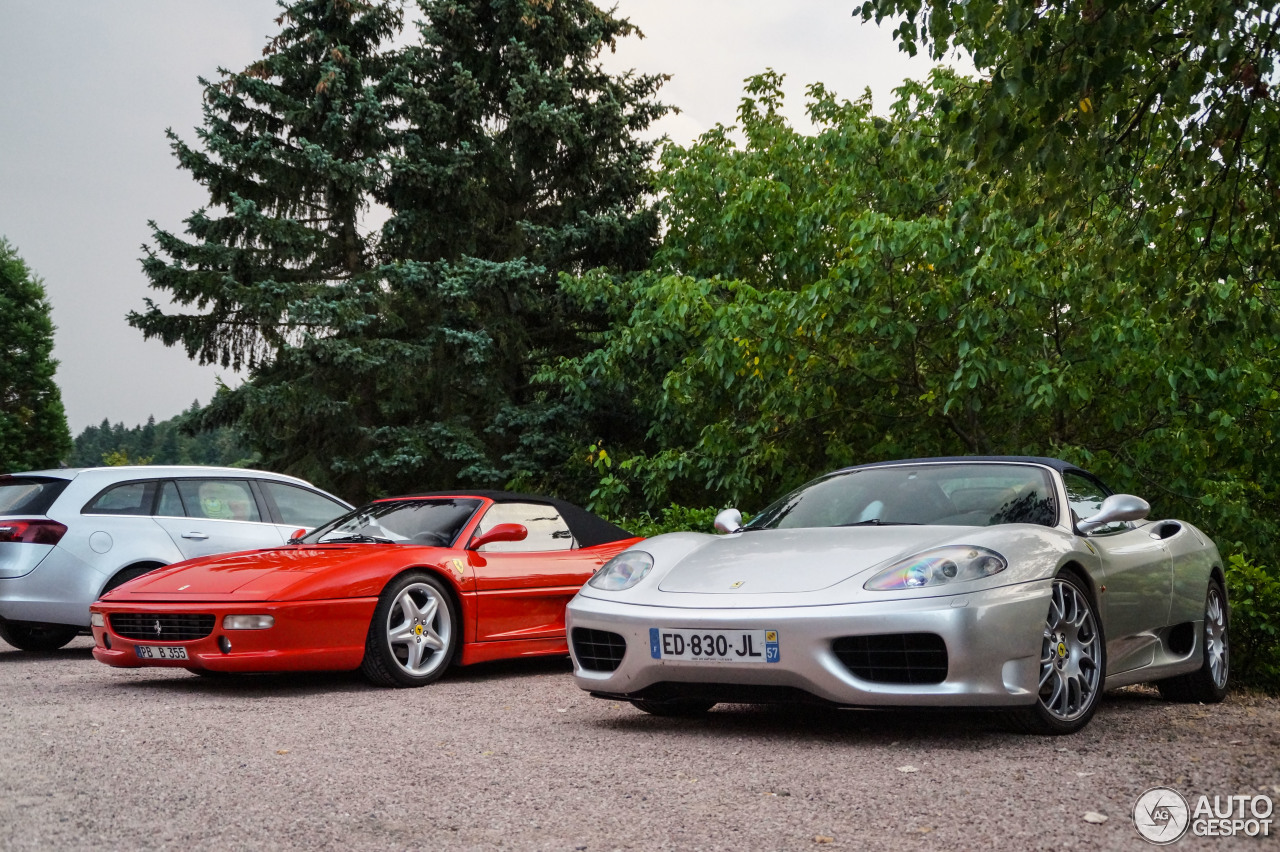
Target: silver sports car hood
795, 560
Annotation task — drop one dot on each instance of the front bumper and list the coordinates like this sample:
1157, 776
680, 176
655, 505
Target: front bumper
993, 641
306, 636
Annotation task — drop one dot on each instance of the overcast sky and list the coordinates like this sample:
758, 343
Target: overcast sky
89, 88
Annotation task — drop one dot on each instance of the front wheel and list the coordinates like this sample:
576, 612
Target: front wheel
32, 636
1207, 684
414, 632
1072, 663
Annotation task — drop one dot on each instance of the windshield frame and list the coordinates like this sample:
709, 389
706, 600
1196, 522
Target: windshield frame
390, 506
763, 519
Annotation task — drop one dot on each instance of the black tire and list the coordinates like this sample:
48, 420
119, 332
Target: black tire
414, 610
680, 708
1207, 684
124, 575
1072, 664
33, 636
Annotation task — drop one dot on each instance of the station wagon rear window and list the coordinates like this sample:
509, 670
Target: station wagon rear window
29, 495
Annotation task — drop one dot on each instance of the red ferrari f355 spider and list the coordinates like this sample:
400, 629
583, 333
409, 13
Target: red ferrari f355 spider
400, 588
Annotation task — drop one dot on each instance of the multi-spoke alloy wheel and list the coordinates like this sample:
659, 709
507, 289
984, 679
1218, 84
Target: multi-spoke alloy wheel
1072, 664
1207, 684
1215, 637
413, 634
1071, 654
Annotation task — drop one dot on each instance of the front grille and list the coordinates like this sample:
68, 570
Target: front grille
161, 627
598, 650
895, 657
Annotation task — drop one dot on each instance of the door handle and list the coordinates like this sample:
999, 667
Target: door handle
198, 536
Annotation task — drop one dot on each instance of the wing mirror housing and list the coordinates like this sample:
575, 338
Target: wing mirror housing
501, 532
296, 538
1117, 507
728, 521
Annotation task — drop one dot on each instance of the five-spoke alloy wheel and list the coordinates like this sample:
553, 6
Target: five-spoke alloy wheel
414, 632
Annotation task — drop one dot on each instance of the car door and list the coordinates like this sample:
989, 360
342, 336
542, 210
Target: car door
523, 587
1137, 575
209, 516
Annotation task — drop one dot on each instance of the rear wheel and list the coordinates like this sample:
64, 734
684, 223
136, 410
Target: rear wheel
1207, 684
686, 707
32, 636
1072, 662
414, 633
126, 574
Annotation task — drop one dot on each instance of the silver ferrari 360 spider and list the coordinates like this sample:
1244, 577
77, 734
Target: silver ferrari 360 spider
1015, 583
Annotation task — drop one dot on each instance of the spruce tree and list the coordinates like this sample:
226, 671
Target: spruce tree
33, 424
289, 152
504, 157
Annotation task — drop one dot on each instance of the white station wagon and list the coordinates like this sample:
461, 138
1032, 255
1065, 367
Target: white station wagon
67, 536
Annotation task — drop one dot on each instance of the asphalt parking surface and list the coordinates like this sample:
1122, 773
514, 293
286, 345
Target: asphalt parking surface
513, 756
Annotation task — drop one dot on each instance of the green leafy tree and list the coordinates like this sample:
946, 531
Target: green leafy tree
33, 424
858, 294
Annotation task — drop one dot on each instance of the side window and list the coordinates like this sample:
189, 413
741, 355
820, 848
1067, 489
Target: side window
170, 505
1085, 497
300, 507
547, 530
219, 499
130, 498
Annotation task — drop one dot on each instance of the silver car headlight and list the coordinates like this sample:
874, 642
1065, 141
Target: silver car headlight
622, 571
936, 567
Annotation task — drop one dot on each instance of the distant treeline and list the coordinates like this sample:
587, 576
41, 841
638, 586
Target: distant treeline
165, 442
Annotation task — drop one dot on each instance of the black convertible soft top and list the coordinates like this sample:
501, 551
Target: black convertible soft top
588, 529
1057, 464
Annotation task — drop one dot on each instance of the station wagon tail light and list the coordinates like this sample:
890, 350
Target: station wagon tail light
938, 567
247, 622
622, 571
32, 532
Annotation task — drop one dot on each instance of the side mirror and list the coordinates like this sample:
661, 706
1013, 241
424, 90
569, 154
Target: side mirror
501, 532
1117, 507
729, 521
296, 537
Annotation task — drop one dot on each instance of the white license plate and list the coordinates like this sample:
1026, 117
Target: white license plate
714, 646
160, 652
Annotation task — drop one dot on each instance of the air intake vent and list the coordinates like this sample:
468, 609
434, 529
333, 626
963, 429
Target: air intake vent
598, 650
894, 657
161, 627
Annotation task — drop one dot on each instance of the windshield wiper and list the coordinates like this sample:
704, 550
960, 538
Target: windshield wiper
355, 537
876, 522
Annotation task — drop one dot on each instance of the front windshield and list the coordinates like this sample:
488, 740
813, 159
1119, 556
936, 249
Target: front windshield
974, 495
435, 523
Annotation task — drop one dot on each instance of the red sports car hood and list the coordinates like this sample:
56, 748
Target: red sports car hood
253, 575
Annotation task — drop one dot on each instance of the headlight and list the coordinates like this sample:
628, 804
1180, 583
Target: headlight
247, 622
936, 567
622, 571
97, 619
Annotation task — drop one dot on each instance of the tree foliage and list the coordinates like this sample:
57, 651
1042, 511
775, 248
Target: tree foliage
33, 424
500, 155
173, 441
859, 294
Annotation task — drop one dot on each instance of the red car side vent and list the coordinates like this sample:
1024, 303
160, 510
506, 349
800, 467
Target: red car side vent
32, 532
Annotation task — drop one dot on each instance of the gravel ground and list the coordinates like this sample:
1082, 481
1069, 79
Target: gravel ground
514, 756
